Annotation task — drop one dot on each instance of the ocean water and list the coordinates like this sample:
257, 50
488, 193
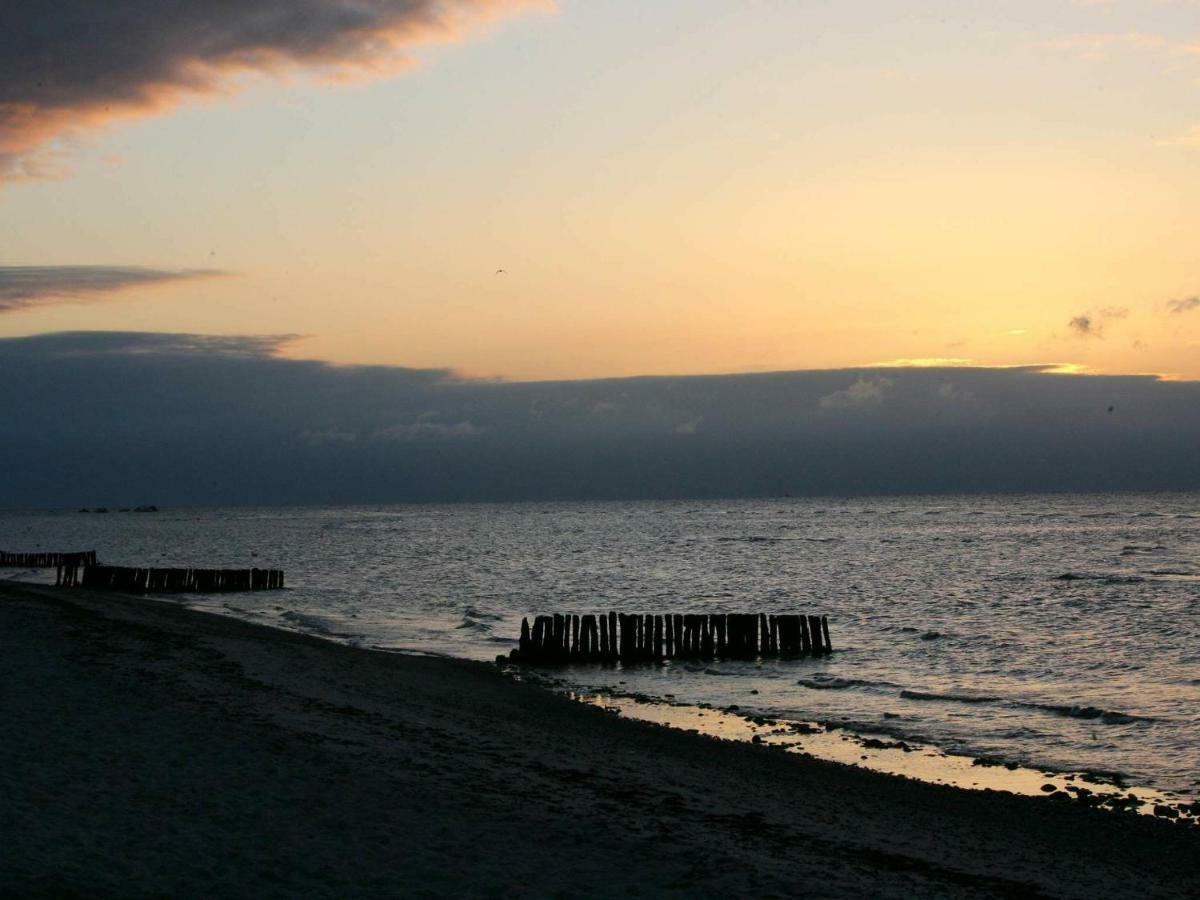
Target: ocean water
1060, 632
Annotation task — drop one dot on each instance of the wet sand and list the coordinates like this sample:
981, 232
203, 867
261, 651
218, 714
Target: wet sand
150, 749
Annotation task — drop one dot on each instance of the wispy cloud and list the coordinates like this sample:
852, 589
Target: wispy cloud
1184, 304
1097, 45
863, 393
1187, 138
22, 287
924, 362
82, 64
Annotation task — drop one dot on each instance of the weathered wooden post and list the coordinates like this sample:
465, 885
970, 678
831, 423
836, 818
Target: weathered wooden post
814, 630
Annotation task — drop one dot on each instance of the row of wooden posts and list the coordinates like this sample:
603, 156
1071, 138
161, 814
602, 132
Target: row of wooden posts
133, 580
83, 570
46, 560
643, 638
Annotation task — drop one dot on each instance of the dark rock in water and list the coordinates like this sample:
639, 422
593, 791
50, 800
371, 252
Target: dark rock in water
1068, 576
149, 508
756, 740
1165, 812
1048, 788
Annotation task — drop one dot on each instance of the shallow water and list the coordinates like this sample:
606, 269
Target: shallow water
953, 623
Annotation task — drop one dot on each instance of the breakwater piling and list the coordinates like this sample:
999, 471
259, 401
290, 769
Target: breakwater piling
620, 637
45, 560
136, 580
66, 565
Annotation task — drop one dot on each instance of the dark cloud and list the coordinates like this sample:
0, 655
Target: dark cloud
104, 418
1092, 324
24, 286
95, 344
1185, 304
1084, 326
78, 63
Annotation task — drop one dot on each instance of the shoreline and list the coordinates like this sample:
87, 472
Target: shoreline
154, 748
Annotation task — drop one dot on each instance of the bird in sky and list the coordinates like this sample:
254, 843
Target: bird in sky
501, 272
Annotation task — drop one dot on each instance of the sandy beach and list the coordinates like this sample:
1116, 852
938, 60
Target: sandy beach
152, 750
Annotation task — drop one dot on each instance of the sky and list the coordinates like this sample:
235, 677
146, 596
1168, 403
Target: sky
443, 218
681, 186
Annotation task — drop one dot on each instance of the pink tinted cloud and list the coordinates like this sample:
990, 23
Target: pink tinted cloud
77, 65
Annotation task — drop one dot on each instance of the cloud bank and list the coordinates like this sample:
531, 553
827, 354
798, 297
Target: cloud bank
24, 286
77, 64
121, 418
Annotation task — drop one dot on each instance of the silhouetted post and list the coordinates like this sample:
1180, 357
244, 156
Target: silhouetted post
523, 644
539, 631
604, 645
814, 631
556, 642
825, 634
658, 637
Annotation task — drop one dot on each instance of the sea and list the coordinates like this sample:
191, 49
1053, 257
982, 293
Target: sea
1057, 633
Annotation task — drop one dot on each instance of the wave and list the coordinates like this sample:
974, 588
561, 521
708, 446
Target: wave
1106, 578
1106, 716
841, 684
308, 622
473, 613
764, 539
468, 622
949, 698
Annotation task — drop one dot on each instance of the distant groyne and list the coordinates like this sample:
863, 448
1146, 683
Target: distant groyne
83, 570
136, 580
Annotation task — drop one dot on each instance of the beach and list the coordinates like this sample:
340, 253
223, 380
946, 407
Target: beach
149, 749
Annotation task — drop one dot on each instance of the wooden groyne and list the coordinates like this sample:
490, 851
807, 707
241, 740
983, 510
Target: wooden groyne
133, 580
46, 560
617, 637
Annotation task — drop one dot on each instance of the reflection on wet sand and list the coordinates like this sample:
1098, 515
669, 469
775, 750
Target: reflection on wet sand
902, 758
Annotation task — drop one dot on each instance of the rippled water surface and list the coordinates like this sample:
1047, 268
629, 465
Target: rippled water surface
1056, 631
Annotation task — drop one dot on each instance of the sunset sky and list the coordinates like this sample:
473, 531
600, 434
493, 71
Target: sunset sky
669, 186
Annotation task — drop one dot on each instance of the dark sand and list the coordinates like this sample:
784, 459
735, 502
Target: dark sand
148, 749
